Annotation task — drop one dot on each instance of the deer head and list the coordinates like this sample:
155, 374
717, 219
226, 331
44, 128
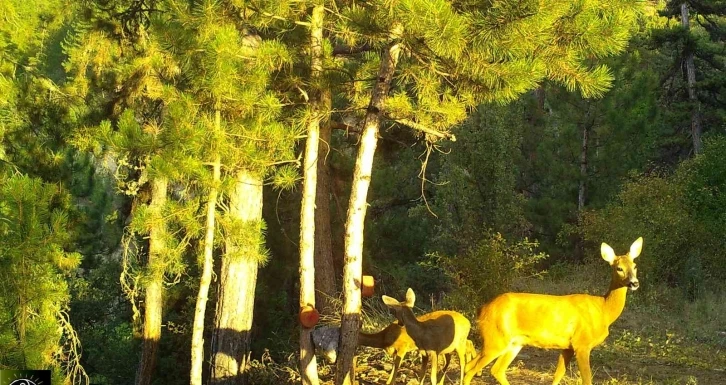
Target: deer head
625, 272
397, 307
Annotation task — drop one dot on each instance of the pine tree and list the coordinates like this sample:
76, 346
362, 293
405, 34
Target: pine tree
40, 222
456, 56
225, 64
308, 364
694, 81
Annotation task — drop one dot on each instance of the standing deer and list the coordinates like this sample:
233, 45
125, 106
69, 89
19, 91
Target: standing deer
573, 323
439, 332
394, 340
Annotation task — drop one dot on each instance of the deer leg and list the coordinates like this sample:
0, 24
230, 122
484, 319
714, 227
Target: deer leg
483, 359
396, 363
434, 357
462, 363
499, 368
424, 364
583, 362
562, 362
447, 360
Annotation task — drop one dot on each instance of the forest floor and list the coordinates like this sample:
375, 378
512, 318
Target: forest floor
660, 339
630, 356
611, 363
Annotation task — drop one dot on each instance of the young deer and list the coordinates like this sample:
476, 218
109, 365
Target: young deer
574, 323
394, 340
440, 332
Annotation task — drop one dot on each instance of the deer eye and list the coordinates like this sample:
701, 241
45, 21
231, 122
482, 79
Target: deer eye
620, 269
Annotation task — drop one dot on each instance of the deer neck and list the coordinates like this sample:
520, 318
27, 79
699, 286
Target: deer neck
413, 326
615, 300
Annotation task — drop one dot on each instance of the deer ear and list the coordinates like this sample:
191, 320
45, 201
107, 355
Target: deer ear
410, 297
389, 301
635, 248
607, 253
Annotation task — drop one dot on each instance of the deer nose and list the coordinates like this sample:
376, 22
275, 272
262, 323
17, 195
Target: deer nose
633, 284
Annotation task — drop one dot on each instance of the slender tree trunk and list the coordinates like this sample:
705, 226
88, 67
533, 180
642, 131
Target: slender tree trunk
308, 364
583, 165
691, 78
237, 281
353, 269
325, 275
207, 265
153, 302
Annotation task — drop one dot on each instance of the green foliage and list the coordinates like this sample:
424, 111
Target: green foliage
706, 184
678, 216
34, 235
486, 269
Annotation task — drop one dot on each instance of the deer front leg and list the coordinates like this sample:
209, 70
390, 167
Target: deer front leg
396, 363
434, 358
562, 363
424, 364
583, 362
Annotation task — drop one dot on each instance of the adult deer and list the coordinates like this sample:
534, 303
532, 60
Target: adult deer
439, 332
574, 323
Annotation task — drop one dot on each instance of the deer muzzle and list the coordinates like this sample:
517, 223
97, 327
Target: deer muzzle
633, 284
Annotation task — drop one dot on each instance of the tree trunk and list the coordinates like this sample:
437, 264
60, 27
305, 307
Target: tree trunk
237, 281
207, 265
583, 163
308, 364
691, 78
153, 302
325, 275
353, 269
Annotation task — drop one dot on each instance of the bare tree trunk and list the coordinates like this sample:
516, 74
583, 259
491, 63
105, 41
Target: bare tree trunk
207, 265
583, 164
308, 364
691, 79
238, 278
325, 275
353, 269
153, 302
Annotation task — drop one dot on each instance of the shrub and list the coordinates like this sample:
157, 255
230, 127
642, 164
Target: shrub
486, 269
680, 216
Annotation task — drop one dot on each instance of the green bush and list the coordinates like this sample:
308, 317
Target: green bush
681, 218
486, 269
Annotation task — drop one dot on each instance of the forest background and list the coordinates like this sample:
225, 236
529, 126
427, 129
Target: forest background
153, 152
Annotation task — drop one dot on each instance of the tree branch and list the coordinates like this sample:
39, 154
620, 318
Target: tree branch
343, 50
420, 127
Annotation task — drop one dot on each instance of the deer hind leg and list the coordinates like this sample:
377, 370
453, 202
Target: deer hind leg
486, 356
447, 361
583, 362
562, 363
500, 367
462, 353
396, 363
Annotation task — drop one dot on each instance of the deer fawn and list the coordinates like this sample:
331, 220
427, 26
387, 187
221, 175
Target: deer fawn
439, 332
394, 340
574, 323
